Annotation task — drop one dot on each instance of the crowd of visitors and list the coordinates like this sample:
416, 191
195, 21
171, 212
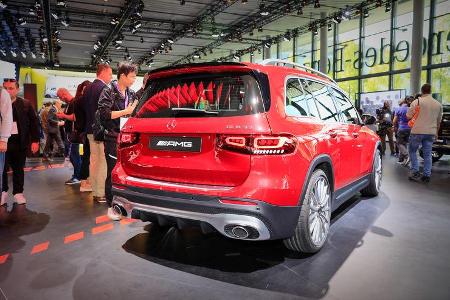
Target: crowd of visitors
86, 127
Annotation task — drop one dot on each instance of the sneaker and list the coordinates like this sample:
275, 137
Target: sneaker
100, 199
406, 161
20, 199
85, 186
72, 181
113, 215
4, 199
401, 161
414, 176
425, 179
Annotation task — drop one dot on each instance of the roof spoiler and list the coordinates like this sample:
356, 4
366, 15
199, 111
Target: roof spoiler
196, 65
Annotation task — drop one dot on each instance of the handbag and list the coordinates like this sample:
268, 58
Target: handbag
415, 116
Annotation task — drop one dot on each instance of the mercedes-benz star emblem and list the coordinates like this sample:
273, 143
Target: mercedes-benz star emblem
172, 124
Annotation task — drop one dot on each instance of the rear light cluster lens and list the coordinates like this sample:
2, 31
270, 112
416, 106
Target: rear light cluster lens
127, 139
259, 145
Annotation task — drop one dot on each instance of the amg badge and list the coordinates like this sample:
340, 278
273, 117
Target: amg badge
185, 144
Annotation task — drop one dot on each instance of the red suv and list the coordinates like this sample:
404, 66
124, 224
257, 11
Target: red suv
253, 151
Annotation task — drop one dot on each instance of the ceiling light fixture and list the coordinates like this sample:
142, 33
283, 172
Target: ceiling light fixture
61, 3
263, 10
3, 4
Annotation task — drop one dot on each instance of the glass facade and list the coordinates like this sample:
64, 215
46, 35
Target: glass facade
373, 53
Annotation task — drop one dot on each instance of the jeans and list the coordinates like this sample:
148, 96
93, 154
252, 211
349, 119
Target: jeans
111, 159
2, 166
426, 140
402, 141
75, 159
97, 167
16, 160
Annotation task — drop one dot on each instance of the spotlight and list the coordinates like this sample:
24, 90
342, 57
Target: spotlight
33, 55
287, 36
61, 3
114, 21
117, 46
65, 23
24, 55
3, 4
252, 54
300, 11
31, 11
137, 24
13, 53
55, 16
97, 45
182, 2
260, 29
3, 52
366, 13
153, 52
388, 7
330, 27
263, 10
170, 40
267, 45
244, 1
21, 21
259, 51
196, 55
142, 40
346, 14
42, 55
316, 4
56, 64
337, 19
236, 56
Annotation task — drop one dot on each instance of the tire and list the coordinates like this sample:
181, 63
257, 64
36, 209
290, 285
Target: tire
376, 177
435, 155
313, 224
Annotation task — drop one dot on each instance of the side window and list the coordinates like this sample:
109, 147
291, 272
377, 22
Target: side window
347, 111
295, 99
324, 101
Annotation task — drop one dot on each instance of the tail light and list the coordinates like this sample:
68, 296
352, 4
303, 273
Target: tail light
127, 139
259, 145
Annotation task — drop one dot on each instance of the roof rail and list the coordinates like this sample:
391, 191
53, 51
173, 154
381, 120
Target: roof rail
284, 63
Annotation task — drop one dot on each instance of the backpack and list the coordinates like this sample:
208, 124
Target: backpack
98, 130
415, 116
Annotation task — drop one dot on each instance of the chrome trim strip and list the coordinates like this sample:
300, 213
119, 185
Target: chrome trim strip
196, 187
218, 221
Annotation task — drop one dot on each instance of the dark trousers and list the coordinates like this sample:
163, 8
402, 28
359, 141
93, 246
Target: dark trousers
111, 159
16, 160
84, 172
52, 138
389, 132
75, 159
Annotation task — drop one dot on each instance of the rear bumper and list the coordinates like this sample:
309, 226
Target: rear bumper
262, 221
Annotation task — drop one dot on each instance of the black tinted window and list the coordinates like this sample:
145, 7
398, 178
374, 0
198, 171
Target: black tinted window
347, 111
201, 95
324, 101
296, 104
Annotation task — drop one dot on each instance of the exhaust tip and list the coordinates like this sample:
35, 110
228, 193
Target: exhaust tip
240, 232
119, 210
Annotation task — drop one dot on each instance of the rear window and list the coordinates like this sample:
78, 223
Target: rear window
202, 95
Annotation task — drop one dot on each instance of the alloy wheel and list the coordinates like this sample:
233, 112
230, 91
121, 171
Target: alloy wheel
320, 212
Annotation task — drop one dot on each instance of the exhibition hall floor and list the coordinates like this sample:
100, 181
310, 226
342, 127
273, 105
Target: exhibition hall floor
61, 246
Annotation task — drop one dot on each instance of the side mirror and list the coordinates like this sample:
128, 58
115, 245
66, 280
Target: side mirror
368, 119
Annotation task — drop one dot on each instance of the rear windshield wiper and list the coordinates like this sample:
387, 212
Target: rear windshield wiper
192, 112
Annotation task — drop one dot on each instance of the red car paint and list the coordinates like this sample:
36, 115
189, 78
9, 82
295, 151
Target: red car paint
274, 179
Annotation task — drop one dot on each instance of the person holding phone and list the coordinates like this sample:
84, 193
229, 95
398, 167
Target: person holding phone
116, 101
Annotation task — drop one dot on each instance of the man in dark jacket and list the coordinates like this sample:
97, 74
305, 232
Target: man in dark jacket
53, 134
25, 129
97, 162
115, 103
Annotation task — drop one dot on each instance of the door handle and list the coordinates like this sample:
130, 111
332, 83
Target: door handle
355, 134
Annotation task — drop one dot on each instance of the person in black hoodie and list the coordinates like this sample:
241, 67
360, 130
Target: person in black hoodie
116, 102
25, 130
